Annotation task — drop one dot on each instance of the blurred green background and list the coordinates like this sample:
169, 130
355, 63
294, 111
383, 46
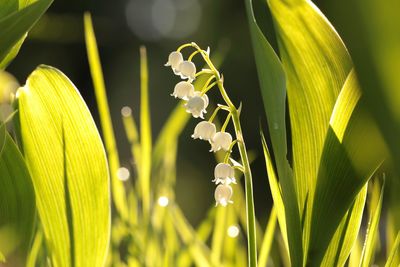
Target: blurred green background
161, 25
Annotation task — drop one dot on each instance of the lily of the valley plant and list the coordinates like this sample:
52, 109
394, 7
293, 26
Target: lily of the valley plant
196, 104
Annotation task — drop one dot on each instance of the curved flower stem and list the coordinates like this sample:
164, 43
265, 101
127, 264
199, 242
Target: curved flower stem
251, 226
193, 54
183, 46
250, 213
204, 71
216, 111
228, 153
228, 118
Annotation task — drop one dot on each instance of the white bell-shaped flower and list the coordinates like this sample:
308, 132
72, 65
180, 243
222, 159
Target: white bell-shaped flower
197, 105
187, 70
221, 140
175, 58
204, 130
223, 194
224, 174
183, 90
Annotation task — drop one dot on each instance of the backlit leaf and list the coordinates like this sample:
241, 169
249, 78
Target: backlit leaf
272, 82
17, 205
66, 159
15, 25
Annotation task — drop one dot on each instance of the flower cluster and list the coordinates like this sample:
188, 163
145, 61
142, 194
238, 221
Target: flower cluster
196, 103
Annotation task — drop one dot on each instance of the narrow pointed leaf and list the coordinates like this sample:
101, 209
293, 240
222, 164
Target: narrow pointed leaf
17, 204
268, 239
145, 132
273, 89
14, 26
373, 226
286, 206
394, 258
118, 191
346, 233
69, 170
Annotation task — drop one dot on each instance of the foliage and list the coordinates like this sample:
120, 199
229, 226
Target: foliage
65, 199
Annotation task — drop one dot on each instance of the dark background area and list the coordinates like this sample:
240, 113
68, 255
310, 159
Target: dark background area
121, 26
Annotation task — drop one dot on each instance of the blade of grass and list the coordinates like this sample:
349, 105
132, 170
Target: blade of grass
118, 191
145, 133
355, 255
219, 235
198, 250
373, 225
268, 239
132, 135
34, 252
394, 258
346, 233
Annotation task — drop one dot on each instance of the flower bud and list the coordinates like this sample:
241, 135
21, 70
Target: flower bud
204, 130
183, 90
175, 58
223, 194
197, 105
221, 140
187, 70
224, 174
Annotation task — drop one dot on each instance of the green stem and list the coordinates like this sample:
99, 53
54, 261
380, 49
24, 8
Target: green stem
228, 153
251, 226
228, 118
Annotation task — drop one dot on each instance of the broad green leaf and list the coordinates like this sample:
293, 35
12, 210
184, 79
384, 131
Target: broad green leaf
69, 170
14, 26
316, 64
118, 191
17, 204
268, 239
394, 258
273, 88
372, 33
346, 233
352, 152
7, 7
373, 225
